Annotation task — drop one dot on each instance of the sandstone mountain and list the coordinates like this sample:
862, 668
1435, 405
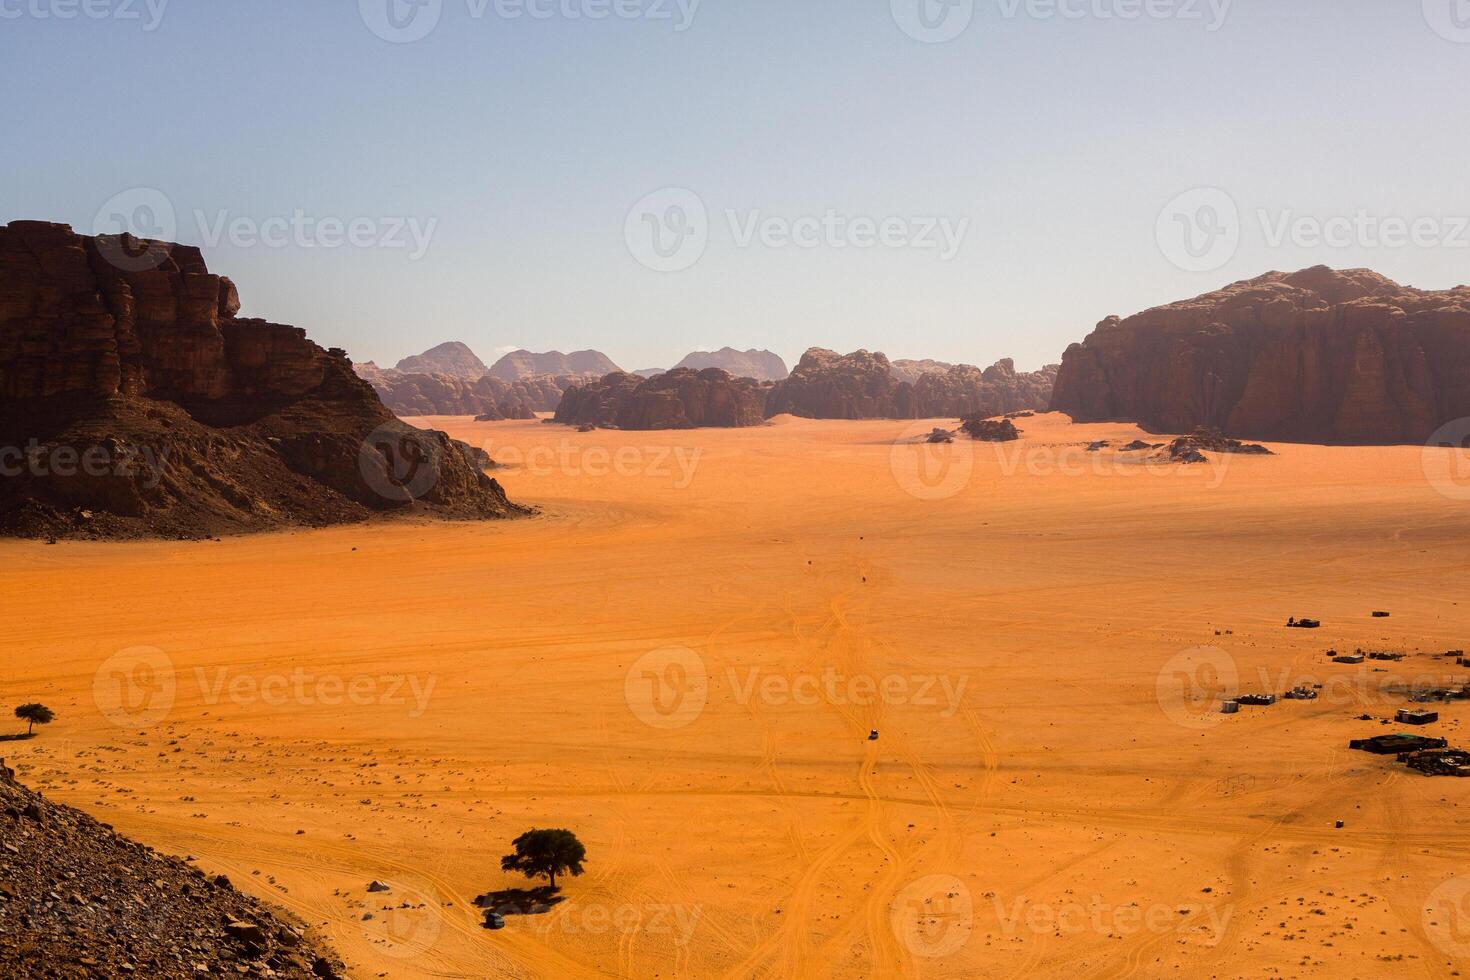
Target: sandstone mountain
585, 364
453, 359
678, 399
1312, 356
863, 385
134, 401
408, 395
911, 370
762, 365
79, 900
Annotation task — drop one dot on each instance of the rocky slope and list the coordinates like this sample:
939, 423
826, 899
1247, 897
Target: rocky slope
78, 900
861, 385
679, 399
1312, 356
589, 365
134, 401
762, 365
453, 359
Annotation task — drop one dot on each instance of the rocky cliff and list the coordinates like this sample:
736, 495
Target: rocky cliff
135, 401
678, 399
864, 385
762, 365
1312, 356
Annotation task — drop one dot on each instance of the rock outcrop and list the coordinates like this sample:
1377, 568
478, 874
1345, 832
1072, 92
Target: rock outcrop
1313, 356
1000, 389
863, 385
487, 397
761, 365
678, 399
990, 429
78, 900
135, 401
587, 365
453, 359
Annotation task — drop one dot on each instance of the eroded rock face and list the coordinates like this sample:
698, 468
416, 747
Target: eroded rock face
998, 390
828, 385
134, 401
864, 385
678, 399
1312, 356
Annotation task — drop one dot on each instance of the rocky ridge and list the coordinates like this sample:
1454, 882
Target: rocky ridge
864, 385
1313, 356
78, 900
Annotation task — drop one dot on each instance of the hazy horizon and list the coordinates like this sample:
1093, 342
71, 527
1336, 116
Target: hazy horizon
502, 177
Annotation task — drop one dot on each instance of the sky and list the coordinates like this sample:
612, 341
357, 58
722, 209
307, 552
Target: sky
957, 179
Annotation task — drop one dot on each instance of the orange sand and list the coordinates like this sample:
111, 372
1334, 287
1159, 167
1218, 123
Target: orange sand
1060, 808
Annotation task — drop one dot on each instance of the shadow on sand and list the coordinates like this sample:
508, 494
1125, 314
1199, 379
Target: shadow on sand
520, 901
16, 738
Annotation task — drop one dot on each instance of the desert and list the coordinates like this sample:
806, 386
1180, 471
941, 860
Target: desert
665, 490
307, 712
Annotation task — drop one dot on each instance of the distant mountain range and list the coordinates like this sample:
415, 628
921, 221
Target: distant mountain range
451, 380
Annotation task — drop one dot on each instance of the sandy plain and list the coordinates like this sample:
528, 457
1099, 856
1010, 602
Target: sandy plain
681, 659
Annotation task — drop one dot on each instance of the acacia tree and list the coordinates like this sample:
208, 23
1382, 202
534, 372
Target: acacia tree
33, 715
546, 852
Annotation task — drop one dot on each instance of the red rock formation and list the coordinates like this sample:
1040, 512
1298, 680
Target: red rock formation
1313, 356
679, 399
865, 385
827, 385
998, 390
134, 401
488, 397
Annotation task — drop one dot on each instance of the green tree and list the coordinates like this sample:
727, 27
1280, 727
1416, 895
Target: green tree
546, 852
33, 715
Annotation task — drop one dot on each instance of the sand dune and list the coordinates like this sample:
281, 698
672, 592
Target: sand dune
681, 658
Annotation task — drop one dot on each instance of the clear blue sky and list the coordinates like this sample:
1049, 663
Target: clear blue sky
527, 141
